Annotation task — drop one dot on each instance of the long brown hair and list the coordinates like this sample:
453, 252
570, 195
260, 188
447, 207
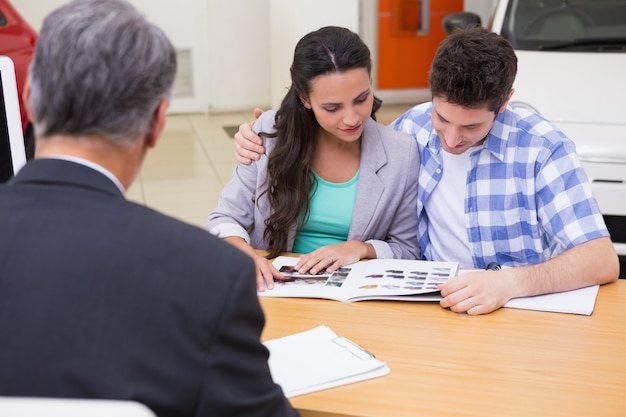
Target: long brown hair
290, 181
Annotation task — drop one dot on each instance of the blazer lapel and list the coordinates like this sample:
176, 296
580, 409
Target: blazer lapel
370, 187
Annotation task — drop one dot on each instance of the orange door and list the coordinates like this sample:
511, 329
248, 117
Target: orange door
409, 32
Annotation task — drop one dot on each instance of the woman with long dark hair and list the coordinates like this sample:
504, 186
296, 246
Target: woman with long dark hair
333, 185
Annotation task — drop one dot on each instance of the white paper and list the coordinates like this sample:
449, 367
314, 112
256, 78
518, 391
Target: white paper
581, 301
319, 359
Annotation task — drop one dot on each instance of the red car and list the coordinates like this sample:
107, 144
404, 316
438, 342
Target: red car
17, 41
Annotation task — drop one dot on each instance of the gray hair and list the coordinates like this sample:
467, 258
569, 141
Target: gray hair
99, 69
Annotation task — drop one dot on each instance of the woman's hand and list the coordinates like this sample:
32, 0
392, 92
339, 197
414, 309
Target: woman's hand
333, 257
265, 271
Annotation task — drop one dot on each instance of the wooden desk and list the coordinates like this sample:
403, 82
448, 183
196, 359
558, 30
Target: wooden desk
508, 363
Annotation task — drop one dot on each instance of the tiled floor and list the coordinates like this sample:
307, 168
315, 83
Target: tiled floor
184, 175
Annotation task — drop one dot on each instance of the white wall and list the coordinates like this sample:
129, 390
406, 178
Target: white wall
184, 21
292, 19
187, 32
242, 49
239, 54
35, 10
483, 8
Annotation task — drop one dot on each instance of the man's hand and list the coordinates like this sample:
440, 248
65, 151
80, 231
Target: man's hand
478, 292
591, 263
248, 145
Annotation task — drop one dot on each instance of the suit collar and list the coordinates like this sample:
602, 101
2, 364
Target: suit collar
64, 172
92, 165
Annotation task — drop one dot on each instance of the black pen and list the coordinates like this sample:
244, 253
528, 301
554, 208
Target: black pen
493, 266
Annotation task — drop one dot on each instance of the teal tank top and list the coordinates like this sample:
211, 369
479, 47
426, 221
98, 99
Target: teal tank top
330, 216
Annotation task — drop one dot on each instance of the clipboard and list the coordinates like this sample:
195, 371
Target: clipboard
319, 359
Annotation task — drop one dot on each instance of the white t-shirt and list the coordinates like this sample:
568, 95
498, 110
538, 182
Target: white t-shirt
446, 212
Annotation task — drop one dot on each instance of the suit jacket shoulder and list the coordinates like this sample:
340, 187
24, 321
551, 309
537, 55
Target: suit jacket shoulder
131, 304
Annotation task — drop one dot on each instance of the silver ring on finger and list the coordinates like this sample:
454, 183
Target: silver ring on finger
471, 301
332, 259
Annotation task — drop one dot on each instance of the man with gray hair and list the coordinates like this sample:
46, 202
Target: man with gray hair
101, 297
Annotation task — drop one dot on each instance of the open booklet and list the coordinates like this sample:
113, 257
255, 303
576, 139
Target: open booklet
407, 280
318, 359
377, 279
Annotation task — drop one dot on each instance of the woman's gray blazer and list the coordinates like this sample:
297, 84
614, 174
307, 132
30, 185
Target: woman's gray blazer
385, 210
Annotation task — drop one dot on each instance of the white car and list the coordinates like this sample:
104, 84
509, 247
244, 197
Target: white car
572, 70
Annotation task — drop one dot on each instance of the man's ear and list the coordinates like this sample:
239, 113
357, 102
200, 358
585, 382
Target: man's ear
305, 101
26, 101
158, 123
507, 101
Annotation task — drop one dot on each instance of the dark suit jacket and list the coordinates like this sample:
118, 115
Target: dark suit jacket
104, 298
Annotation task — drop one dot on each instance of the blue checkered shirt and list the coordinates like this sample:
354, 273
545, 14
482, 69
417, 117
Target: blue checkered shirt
527, 197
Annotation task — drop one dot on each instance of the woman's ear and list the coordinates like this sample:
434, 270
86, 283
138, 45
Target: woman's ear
305, 101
